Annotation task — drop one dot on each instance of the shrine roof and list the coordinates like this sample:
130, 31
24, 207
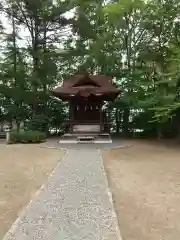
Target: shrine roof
102, 80
86, 85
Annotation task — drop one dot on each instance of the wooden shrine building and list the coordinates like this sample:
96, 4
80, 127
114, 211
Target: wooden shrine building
86, 95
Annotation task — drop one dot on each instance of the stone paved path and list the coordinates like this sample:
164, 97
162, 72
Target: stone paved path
73, 205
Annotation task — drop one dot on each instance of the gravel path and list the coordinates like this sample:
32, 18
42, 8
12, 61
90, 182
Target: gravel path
73, 205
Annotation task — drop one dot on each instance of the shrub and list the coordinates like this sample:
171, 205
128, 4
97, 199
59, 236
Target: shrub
27, 137
38, 123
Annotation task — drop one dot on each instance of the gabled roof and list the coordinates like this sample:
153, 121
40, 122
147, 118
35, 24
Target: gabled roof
86, 81
102, 80
86, 85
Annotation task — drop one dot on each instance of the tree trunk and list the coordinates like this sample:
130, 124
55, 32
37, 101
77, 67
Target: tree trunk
177, 124
36, 61
117, 121
16, 84
14, 50
44, 56
126, 114
1, 127
18, 123
159, 132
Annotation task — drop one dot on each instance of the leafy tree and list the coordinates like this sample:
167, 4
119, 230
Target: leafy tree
137, 42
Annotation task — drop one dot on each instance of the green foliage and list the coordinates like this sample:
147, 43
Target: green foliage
38, 122
137, 42
27, 137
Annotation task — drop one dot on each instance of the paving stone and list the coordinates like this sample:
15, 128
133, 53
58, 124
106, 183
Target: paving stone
74, 203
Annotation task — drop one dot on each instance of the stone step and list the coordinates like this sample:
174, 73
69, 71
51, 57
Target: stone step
86, 138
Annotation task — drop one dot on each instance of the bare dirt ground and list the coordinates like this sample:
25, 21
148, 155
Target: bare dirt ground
145, 181
23, 169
